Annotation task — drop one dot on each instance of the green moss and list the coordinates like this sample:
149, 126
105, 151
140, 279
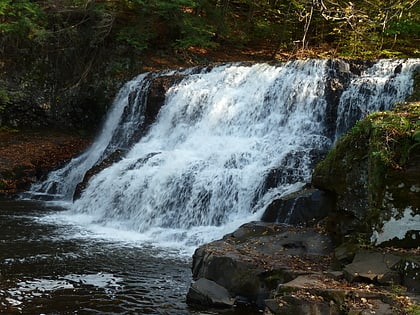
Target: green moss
384, 143
391, 143
412, 310
338, 163
393, 134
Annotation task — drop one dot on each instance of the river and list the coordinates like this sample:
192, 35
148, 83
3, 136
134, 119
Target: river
226, 142
52, 267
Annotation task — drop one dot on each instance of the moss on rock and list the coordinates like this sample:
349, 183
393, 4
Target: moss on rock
374, 172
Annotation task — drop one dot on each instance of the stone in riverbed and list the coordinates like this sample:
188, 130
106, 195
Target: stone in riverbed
253, 260
209, 293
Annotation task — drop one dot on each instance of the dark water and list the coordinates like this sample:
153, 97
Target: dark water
48, 268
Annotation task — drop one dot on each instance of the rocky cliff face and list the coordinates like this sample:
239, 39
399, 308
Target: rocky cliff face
154, 100
368, 195
373, 176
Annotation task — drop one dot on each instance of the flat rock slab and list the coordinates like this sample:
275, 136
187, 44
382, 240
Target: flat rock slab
373, 266
318, 294
267, 246
253, 260
209, 293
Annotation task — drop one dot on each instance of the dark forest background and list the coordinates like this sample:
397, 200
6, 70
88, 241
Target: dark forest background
62, 61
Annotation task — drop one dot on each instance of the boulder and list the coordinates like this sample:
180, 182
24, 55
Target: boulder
410, 273
112, 158
373, 266
304, 207
371, 177
209, 293
253, 260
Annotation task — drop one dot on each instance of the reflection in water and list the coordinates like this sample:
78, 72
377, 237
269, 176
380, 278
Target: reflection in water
52, 269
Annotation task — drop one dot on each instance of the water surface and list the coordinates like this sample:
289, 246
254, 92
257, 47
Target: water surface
48, 268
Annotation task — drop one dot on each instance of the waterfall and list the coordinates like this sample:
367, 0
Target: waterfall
225, 142
61, 183
376, 89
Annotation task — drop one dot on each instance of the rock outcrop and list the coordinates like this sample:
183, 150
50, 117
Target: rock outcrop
294, 270
254, 259
146, 109
373, 177
367, 194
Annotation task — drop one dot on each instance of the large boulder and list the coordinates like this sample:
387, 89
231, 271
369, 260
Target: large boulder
374, 266
372, 177
304, 207
253, 260
208, 293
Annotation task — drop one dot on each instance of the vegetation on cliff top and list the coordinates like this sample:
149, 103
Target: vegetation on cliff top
67, 58
360, 28
375, 163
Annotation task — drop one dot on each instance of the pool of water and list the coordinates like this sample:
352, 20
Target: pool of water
54, 268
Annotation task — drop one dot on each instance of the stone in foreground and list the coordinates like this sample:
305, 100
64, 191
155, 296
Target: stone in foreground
209, 293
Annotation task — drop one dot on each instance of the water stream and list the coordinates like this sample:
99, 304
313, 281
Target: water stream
204, 167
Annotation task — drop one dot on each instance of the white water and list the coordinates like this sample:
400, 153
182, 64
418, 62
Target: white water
60, 184
377, 89
202, 168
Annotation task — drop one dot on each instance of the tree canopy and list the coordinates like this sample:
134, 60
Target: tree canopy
63, 60
355, 28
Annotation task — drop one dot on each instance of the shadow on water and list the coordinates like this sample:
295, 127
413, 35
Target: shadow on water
52, 269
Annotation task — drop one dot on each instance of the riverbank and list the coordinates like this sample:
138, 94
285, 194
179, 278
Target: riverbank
27, 156
286, 270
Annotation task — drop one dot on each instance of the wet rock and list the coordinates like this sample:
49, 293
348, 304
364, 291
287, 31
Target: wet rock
303, 207
112, 158
145, 116
156, 95
253, 260
144, 104
209, 293
374, 190
337, 81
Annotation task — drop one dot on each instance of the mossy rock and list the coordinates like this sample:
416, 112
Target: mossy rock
373, 173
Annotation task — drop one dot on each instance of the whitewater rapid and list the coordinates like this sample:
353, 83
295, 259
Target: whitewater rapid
206, 164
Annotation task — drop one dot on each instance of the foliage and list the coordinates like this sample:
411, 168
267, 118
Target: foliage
412, 309
394, 133
20, 18
358, 28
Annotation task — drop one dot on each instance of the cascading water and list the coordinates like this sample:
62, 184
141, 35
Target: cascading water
376, 89
206, 164
60, 184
